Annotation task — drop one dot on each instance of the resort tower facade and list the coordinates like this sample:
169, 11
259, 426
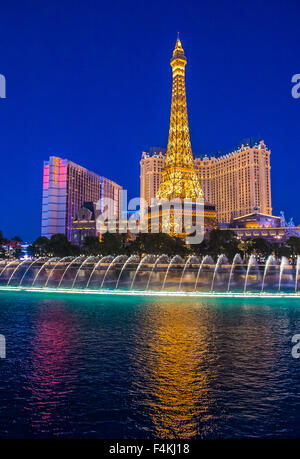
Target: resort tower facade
237, 183
66, 186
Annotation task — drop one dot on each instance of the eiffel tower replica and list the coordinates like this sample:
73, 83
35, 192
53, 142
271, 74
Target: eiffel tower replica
179, 181
179, 178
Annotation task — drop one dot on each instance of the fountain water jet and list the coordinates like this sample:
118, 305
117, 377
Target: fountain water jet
161, 257
6, 266
143, 260
284, 263
207, 260
237, 260
152, 275
82, 264
131, 259
192, 257
37, 275
67, 269
31, 264
222, 259
109, 257
15, 270
252, 262
173, 260
270, 262
297, 273
115, 260
52, 270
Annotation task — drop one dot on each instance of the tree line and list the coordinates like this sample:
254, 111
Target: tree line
218, 242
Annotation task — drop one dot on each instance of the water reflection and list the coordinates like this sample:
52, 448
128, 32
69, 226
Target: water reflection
207, 371
51, 375
173, 369
143, 368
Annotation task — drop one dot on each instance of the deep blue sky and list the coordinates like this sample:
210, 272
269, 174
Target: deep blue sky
91, 81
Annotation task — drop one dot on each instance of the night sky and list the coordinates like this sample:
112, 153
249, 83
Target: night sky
91, 81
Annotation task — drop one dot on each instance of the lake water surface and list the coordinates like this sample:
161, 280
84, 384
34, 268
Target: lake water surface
90, 366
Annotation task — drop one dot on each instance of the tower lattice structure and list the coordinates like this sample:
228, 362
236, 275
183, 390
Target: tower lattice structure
179, 178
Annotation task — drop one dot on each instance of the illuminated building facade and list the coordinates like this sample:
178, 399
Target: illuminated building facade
256, 220
66, 186
256, 224
237, 182
84, 224
151, 166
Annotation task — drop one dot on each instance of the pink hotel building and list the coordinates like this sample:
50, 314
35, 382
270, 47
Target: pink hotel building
66, 186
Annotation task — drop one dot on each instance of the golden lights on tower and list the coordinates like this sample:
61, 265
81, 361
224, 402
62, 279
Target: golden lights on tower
179, 178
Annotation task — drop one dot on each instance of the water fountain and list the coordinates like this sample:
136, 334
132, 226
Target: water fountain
271, 261
41, 269
67, 269
283, 265
103, 260
132, 259
160, 259
237, 261
154, 275
222, 260
206, 261
297, 273
175, 260
147, 259
60, 261
252, 263
28, 269
117, 259
190, 261
15, 270
6, 266
81, 266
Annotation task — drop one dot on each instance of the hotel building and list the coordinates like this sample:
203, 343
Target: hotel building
254, 225
66, 186
237, 183
85, 223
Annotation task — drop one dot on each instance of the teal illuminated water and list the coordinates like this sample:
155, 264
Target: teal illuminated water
131, 367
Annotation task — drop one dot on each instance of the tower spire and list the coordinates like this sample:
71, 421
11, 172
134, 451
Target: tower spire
179, 177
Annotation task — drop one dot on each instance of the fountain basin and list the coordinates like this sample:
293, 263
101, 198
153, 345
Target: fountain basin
154, 275
164, 293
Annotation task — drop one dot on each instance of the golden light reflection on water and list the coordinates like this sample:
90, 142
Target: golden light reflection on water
173, 363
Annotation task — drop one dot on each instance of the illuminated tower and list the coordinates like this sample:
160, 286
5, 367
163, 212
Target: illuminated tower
179, 178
